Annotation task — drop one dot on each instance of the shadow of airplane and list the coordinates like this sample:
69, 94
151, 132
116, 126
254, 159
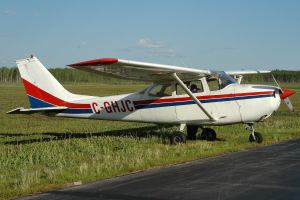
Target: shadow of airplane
137, 133
151, 131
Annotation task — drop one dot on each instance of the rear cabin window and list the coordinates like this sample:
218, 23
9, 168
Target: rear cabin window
213, 84
161, 91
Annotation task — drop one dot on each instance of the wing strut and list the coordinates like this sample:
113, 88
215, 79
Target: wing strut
193, 97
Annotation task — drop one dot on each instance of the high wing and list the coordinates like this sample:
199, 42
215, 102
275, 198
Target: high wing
143, 71
139, 70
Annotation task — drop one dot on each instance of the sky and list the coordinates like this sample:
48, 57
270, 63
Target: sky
211, 34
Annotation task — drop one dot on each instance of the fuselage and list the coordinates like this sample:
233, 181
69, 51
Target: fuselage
235, 103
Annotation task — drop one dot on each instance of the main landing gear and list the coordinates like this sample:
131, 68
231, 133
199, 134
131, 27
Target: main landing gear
254, 136
179, 137
207, 133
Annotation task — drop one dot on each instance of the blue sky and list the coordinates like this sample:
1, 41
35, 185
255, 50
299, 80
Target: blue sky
221, 35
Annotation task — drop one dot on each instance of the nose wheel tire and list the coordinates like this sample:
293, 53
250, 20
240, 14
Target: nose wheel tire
258, 137
177, 138
208, 134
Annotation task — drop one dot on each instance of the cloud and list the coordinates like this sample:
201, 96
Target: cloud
151, 48
146, 43
82, 44
9, 12
167, 52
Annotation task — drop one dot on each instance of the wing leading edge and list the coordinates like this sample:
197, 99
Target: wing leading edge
144, 71
139, 70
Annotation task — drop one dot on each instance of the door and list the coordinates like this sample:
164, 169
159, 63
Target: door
158, 105
186, 109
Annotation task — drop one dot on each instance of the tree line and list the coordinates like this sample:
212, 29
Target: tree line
11, 75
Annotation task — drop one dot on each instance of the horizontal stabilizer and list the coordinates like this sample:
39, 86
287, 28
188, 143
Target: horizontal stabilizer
45, 110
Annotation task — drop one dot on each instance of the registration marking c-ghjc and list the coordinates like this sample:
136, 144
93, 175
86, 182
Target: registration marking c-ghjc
113, 106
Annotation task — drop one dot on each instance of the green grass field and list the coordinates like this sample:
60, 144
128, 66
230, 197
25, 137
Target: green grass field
39, 153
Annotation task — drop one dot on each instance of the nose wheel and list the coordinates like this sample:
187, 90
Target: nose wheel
254, 136
258, 137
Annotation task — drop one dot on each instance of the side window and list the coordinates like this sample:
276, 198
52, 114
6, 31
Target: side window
213, 84
194, 86
179, 89
161, 91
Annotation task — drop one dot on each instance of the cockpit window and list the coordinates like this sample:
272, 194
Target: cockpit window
219, 81
161, 90
225, 79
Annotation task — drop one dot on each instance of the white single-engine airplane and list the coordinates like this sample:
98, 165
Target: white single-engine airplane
189, 98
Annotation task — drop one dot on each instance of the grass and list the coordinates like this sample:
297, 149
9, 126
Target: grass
39, 153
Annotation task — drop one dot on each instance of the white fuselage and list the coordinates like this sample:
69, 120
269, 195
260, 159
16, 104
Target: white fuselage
236, 103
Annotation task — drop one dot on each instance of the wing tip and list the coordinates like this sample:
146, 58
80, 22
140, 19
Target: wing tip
100, 61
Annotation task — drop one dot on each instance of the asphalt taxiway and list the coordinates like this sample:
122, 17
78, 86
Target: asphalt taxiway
270, 172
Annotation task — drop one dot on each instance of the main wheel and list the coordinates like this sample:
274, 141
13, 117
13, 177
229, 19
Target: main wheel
177, 138
208, 134
192, 132
258, 138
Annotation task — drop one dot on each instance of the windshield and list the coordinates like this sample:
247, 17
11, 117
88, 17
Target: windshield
225, 79
144, 90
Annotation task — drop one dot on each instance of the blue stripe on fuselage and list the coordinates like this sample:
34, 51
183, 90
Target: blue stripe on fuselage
78, 111
38, 103
180, 103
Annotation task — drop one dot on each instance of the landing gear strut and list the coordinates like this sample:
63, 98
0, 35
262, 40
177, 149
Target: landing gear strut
254, 136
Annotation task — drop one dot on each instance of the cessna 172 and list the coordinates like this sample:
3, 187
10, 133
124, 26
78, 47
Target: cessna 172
189, 98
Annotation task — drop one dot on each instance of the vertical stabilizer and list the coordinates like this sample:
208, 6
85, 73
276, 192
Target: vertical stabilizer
42, 88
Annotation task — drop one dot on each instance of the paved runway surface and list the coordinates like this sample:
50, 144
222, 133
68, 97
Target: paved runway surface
271, 172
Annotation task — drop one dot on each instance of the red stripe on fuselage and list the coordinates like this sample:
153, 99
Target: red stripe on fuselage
217, 96
34, 91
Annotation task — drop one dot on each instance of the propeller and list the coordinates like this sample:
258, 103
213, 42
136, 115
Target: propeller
284, 95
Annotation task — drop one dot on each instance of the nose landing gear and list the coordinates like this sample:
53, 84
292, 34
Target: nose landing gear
254, 136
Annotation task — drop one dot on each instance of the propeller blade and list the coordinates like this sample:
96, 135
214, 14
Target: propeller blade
289, 104
284, 94
275, 81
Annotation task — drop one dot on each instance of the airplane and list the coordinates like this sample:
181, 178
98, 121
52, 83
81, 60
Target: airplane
183, 97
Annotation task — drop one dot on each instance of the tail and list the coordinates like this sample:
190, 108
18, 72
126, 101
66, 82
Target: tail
42, 88
45, 93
